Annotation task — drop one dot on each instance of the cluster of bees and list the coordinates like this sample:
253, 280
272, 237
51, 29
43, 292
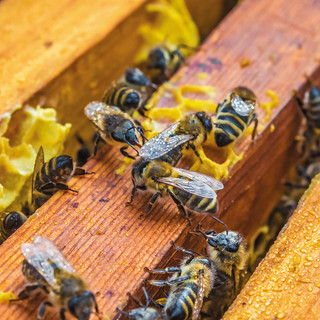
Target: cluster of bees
217, 276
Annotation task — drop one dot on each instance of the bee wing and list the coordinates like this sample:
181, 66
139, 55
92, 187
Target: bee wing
39, 162
40, 253
199, 300
210, 181
95, 110
164, 142
241, 107
191, 186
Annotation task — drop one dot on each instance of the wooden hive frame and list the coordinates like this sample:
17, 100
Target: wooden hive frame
107, 242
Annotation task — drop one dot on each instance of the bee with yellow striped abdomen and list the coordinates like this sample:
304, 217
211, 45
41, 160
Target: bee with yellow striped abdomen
47, 269
186, 188
189, 285
49, 177
234, 115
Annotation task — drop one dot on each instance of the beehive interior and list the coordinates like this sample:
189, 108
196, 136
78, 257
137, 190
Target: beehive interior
79, 84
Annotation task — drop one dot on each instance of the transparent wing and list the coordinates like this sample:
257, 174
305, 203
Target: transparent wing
199, 300
210, 181
191, 186
95, 110
39, 162
40, 253
244, 109
163, 143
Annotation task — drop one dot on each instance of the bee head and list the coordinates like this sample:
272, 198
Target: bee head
13, 221
138, 169
126, 132
158, 58
136, 77
205, 120
225, 242
82, 305
314, 93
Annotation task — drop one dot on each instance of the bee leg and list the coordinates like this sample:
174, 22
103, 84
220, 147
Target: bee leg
152, 201
189, 252
97, 139
255, 127
192, 146
79, 172
166, 270
160, 283
29, 290
43, 309
62, 315
180, 207
63, 186
126, 154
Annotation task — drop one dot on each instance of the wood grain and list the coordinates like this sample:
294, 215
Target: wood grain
107, 242
286, 283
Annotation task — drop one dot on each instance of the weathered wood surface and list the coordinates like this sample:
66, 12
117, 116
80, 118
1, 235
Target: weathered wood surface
107, 242
65, 55
286, 283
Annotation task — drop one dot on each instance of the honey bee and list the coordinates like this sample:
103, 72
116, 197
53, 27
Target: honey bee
234, 115
131, 92
310, 106
46, 268
186, 188
191, 131
49, 177
166, 60
228, 251
9, 223
114, 126
190, 284
125, 98
144, 312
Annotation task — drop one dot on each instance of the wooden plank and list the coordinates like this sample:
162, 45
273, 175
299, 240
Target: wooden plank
286, 283
107, 242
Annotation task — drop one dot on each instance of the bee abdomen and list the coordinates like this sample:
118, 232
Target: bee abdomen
31, 273
124, 98
11, 222
229, 125
199, 204
180, 303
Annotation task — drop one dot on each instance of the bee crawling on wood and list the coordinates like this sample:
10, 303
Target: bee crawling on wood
9, 223
234, 115
46, 268
228, 251
49, 177
131, 92
167, 61
145, 312
189, 132
114, 126
186, 188
310, 107
190, 284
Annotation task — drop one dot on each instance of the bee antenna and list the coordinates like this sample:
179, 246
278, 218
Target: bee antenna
140, 130
215, 218
127, 142
147, 297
